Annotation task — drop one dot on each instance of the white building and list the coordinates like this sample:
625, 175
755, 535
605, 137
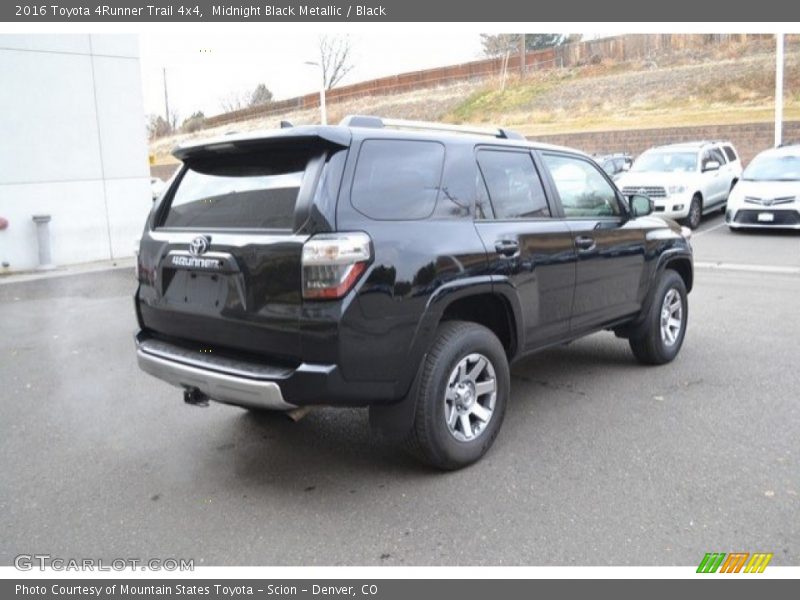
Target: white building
73, 146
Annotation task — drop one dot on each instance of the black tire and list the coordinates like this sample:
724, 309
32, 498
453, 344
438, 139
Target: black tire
650, 347
430, 438
692, 221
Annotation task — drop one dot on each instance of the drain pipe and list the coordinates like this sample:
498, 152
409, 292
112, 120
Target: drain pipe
4, 225
43, 237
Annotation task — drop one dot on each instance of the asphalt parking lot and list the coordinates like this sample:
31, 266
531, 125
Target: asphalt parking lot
600, 461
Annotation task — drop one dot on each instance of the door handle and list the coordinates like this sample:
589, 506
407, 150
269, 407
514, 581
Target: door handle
584, 243
508, 248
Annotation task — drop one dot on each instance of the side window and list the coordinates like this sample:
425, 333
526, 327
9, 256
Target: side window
397, 179
716, 154
730, 153
483, 209
515, 189
583, 190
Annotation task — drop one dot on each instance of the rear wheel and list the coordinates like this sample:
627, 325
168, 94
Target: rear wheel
692, 220
461, 396
665, 324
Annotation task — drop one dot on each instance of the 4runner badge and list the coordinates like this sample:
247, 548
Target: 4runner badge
199, 245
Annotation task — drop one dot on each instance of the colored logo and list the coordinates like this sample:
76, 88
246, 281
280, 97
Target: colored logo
735, 562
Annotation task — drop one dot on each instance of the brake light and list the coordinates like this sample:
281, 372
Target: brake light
333, 263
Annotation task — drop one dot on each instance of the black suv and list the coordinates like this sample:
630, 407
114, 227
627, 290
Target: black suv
397, 265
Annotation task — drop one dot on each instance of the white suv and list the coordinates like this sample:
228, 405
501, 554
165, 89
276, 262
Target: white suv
685, 181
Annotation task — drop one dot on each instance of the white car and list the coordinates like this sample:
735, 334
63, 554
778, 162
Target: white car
769, 193
685, 181
157, 186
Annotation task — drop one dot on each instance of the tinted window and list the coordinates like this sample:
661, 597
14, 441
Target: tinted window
729, 153
515, 189
397, 179
254, 191
583, 190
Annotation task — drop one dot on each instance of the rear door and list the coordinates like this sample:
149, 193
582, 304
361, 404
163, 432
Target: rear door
221, 262
719, 180
526, 241
609, 247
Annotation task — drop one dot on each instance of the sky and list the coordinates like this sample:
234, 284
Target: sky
202, 69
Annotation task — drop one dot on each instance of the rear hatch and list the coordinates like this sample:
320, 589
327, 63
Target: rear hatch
220, 262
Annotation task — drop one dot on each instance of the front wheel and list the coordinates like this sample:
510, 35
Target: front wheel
692, 220
665, 324
461, 396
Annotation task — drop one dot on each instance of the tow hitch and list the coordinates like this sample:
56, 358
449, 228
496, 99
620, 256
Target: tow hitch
195, 397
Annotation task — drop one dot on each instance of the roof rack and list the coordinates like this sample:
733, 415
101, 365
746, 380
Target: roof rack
380, 123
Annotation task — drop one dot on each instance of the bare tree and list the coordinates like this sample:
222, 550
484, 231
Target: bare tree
234, 101
499, 44
335, 58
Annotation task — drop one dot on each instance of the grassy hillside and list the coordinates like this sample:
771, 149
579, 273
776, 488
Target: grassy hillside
712, 90
730, 85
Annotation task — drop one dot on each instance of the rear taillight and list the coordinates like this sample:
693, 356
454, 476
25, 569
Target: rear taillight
333, 262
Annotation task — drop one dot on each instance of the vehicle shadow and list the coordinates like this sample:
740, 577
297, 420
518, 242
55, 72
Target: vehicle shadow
331, 446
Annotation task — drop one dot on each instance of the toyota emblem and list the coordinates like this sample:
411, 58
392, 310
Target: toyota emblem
199, 245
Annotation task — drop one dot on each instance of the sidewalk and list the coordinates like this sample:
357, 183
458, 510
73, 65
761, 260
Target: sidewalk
67, 270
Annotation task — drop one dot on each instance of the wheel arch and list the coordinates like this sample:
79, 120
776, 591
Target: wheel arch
683, 266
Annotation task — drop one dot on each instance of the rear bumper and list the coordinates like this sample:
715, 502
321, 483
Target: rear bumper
255, 385
230, 389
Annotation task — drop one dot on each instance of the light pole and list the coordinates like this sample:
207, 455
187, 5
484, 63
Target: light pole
322, 109
778, 89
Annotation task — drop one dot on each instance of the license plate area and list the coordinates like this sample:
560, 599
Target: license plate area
205, 290
765, 217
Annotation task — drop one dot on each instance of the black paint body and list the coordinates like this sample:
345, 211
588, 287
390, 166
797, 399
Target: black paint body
366, 348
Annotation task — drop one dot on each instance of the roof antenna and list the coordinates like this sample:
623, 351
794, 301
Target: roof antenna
286, 124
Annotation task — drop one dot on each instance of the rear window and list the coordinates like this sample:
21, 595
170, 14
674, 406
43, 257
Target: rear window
729, 153
397, 179
257, 190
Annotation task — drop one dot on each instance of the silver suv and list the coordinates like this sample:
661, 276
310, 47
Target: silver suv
685, 181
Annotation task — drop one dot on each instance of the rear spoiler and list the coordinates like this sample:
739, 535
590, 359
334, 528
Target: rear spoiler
315, 135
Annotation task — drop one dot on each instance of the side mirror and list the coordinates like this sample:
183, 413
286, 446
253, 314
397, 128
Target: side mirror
711, 165
640, 205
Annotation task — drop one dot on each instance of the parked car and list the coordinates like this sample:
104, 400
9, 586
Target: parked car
769, 193
396, 265
685, 181
614, 164
157, 186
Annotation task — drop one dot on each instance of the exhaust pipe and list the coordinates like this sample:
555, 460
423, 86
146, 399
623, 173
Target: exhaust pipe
298, 413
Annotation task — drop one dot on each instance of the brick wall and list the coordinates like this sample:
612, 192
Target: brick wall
748, 138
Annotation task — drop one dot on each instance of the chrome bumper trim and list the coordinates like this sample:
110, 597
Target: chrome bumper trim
228, 389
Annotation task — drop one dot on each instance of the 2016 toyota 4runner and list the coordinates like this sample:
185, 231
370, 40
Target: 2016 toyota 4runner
397, 265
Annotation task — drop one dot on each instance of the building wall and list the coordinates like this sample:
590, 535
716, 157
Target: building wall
73, 146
